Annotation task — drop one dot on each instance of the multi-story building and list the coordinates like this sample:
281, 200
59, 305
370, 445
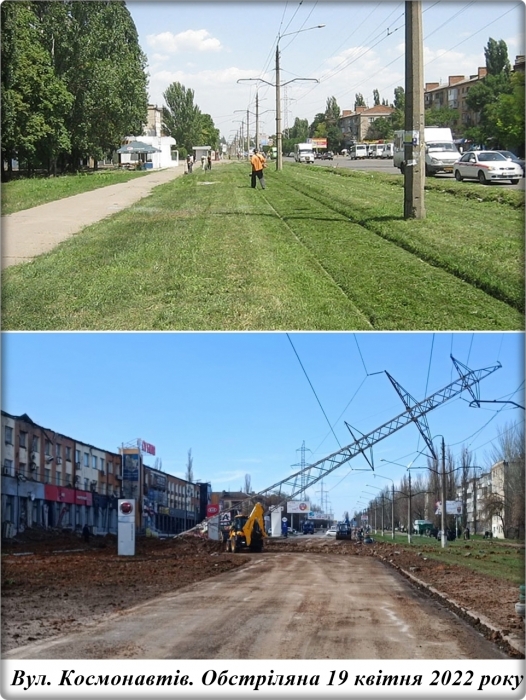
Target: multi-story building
478, 489
354, 125
53, 481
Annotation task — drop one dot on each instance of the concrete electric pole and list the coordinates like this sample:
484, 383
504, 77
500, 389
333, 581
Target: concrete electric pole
414, 147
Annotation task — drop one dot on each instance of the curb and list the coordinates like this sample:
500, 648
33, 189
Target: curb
514, 646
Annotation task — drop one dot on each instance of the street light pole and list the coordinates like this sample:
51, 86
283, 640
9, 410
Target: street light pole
443, 519
279, 157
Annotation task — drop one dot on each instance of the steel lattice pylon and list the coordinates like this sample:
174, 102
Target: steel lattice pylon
415, 413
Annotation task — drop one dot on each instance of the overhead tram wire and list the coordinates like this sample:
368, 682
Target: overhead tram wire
427, 380
313, 390
428, 62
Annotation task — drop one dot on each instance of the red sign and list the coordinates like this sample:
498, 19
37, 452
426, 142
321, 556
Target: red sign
62, 494
146, 447
211, 510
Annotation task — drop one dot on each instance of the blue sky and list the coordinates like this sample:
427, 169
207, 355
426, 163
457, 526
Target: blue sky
242, 402
208, 46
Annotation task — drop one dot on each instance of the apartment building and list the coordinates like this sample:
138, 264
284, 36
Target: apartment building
52, 481
354, 125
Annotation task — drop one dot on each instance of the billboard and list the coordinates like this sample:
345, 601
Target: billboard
318, 142
452, 508
211, 510
130, 466
298, 507
147, 447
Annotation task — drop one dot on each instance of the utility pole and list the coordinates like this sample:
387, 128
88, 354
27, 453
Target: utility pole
248, 135
279, 157
257, 121
409, 512
414, 147
443, 518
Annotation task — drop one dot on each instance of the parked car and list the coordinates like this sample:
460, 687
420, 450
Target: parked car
514, 159
486, 167
328, 156
331, 532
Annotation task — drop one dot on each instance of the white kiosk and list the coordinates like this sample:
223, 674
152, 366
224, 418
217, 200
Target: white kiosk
126, 526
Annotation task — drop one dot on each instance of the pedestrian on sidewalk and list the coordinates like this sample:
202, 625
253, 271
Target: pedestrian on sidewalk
258, 163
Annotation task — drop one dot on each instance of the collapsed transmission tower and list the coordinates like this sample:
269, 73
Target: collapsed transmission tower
415, 412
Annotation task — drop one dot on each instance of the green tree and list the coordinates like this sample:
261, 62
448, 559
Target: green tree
182, 118
300, 131
209, 135
507, 115
332, 111
485, 94
381, 128
443, 116
34, 101
376, 98
399, 98
359, 101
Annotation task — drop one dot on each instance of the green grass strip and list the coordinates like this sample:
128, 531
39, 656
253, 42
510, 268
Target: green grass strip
30, 192
206, 252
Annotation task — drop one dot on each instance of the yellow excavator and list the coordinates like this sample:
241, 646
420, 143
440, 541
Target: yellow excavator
247, 531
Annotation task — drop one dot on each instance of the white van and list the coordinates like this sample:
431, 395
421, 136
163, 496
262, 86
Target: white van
376, 150
303, 153
388, 150
440, 150
359, 150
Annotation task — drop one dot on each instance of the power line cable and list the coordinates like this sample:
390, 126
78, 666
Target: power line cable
313, 390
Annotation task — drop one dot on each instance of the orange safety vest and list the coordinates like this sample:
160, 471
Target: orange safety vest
258, 162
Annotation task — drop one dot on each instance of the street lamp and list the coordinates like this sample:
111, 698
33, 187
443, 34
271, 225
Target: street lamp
278, 86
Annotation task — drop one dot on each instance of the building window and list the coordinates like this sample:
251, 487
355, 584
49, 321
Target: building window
8, 466
47, 448
57, 479
58, 449
110, 467
68, 454
86, 459
77, 456
102, 464
34, 444
94, 461
47, 476
22, 439
22, 468
8, 435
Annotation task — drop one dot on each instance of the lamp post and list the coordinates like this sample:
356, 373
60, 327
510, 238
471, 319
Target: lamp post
278, 85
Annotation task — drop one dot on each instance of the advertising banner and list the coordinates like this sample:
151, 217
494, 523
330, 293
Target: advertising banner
130, 467
452, 508
298, 507
211, 510
319, 142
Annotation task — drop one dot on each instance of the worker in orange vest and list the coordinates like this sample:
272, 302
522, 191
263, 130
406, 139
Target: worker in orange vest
258, 163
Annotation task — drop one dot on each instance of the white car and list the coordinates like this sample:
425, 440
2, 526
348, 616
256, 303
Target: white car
331, 532
486, 167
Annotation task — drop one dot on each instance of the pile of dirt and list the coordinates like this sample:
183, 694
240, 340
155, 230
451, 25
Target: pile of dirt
53, 583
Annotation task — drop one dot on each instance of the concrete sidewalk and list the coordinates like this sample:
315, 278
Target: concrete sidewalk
32, 232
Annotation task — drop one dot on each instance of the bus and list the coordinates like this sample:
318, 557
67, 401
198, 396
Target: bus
359, 150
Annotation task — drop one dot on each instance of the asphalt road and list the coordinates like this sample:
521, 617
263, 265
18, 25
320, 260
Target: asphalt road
280, 606
386, 166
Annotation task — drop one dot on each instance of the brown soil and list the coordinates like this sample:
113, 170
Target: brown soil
55, 583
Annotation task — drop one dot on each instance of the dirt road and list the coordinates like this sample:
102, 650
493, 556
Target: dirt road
279, 606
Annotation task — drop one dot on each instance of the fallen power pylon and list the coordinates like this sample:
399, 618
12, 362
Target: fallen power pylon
416, 412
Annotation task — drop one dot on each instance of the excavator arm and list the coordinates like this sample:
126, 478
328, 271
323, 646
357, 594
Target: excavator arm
256, 516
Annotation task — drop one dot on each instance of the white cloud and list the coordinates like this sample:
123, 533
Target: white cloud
190, 40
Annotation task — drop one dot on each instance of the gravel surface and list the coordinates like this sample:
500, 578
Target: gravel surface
53, 584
